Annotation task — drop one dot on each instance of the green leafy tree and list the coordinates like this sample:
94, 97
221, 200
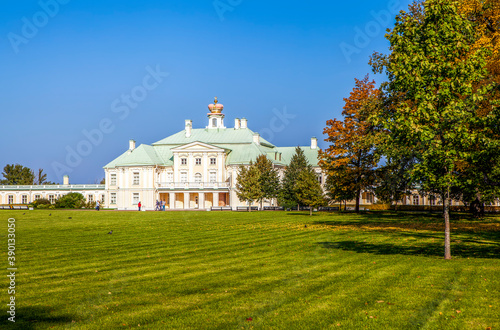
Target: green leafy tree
394, 181
41, 178
286, 195
71, 201
247, 185
336, 190
308, 190
432, 70
17, 175
268, 178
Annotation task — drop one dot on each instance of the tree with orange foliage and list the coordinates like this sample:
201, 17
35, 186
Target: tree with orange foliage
351, 159
485, 16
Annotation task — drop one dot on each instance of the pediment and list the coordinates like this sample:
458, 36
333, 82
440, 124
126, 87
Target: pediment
197, 147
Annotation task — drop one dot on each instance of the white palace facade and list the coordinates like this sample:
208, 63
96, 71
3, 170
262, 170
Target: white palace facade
194, 169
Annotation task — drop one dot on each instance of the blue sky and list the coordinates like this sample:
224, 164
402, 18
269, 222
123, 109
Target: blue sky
68, 66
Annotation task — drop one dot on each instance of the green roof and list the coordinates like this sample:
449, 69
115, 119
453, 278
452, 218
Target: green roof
238, 143
213, 136
141, 156
310, 154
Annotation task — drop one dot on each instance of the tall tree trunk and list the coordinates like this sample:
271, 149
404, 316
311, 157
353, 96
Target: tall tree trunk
447, 247
357, 202
250, 206
310, 210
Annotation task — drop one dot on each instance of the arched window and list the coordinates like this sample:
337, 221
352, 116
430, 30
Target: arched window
197, 177
214, 122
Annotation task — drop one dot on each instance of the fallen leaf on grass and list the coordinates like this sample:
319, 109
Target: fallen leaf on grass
380, 301
249, 319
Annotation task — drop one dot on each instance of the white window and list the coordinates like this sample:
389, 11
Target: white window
113, 198
197, 177
198, 161
212, 177
135, 198
183, 161
52, 199
415, 199
24, 199
214, 122
318, 175
136, 179
90, 198
432, 200
37, 197
213, 161
102, 198
184, 176
170, 177
113, 179
11, 199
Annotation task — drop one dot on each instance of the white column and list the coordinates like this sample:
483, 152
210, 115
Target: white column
220, 167
205, 167
171, 197
186, 200
216, 199
190, 161
201, 200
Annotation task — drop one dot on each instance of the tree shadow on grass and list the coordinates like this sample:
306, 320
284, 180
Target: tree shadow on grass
428, 249
471, 238
35, 317
303, 213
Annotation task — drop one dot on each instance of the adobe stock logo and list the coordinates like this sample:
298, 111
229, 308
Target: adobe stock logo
363, 36
223, 6
277, 124
30, 28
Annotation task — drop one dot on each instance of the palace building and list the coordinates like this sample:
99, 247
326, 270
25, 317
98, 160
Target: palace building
195, 168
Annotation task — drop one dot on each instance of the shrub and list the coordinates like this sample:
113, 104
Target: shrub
70, 201
89, 205
41, 201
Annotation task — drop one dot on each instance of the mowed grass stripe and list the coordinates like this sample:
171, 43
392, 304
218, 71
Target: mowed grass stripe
196, 270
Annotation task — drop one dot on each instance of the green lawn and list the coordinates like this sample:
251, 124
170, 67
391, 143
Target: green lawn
263, 270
